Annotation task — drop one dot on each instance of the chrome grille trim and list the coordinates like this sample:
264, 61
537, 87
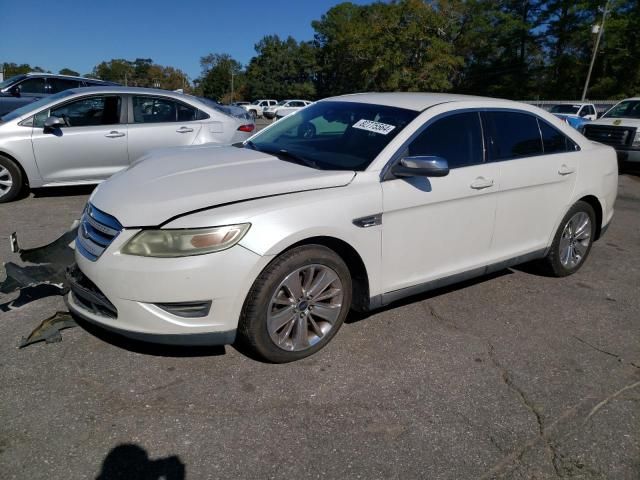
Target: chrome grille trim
610, 135
97, 230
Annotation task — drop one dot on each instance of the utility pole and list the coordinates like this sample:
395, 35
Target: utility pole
232, 75
595, 48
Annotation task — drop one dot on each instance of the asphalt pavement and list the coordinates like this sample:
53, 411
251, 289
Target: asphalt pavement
512, 376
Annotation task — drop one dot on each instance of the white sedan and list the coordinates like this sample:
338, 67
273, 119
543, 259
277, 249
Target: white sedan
352, 203
284, 108
85, 135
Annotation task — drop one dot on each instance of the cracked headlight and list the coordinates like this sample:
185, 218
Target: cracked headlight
184, 242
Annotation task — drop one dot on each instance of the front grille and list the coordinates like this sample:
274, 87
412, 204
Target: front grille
610, 135
87, 295
96, 232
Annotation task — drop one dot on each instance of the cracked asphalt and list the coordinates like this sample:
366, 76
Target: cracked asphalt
512, 376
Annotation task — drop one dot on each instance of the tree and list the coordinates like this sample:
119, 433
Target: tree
217, 71
68, 71
11, 69
403, 45
141, 72
282, 68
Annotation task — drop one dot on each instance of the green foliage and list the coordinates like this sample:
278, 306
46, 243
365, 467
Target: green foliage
282, 69
141, 72
217, 72
11, 69
68, 71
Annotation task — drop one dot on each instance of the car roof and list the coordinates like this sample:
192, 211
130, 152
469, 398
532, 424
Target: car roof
57, 75
121, 89
419, 101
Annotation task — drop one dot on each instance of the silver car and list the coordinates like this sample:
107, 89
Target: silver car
83, 136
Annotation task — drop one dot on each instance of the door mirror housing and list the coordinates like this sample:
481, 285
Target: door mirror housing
421, 166
52, 123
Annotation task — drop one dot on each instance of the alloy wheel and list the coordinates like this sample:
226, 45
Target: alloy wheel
305, 307
575, 240
6, 181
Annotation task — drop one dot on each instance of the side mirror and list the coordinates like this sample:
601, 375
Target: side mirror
52, 123
421, 166
15, 91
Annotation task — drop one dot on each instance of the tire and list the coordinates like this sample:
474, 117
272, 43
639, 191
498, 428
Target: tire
572, 242
11, 181
275, 327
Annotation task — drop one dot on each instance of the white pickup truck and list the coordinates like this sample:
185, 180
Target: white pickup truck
620, 128
256, 108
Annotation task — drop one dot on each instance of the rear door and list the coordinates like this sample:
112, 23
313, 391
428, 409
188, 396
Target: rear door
538, 166
159, 122
92, 146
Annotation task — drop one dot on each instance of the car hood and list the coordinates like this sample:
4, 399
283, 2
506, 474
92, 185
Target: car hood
172, 182
566, 115
622, 122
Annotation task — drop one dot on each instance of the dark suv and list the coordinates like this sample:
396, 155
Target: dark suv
22, 89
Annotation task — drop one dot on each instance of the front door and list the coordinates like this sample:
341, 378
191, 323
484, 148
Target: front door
160, 122
438, 227
92, 145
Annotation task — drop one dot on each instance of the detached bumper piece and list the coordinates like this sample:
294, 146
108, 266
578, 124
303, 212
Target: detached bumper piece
88, 295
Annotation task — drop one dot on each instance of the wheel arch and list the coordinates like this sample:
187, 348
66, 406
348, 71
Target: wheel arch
350, 256
597, 208
25, 176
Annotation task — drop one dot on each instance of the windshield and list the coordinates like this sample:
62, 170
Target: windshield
570, 109
282, 102
334, 135
256, 102
10, 80
625, 109
18, 112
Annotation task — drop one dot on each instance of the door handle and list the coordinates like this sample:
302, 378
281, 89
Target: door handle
481, 182
564, 170
184, 130
114, 134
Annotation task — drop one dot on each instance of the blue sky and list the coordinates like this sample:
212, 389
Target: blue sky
79, 34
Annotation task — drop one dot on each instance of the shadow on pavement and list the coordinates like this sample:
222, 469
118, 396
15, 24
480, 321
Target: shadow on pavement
130, 461
147, 348
63, 191
355, 317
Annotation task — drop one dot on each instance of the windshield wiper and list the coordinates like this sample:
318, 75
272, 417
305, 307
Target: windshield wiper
292, 156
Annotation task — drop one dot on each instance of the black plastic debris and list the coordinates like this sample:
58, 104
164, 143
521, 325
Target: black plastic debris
49, 264
49, 330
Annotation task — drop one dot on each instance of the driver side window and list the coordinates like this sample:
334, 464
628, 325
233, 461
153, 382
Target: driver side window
457, 138
91, 111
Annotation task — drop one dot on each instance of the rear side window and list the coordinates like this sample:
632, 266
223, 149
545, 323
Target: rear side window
457, 138
153, 110
61, 84
512, 135
554, 141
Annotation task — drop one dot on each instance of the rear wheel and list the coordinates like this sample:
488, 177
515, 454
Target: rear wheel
572, 242
11, 182
296, 305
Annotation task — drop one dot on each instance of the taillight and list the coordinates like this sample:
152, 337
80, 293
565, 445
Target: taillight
249, 127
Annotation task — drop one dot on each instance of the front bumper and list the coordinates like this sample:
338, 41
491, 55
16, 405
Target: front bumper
629, 157
269, 115
122, 293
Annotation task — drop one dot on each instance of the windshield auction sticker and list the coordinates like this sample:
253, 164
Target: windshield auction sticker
375, 127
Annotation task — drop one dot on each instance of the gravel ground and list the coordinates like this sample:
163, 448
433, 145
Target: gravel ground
513, 376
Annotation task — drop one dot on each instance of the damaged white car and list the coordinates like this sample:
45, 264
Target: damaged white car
351, 203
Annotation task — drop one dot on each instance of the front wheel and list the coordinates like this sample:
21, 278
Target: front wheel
11, 182
296, 305
572, 242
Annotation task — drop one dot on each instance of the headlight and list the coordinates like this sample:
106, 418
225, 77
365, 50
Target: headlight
184, 243
636, 141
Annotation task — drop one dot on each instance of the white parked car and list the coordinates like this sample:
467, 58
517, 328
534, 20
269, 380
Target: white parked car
620, 128
256, 108
352, 203
85, 135
284, 108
